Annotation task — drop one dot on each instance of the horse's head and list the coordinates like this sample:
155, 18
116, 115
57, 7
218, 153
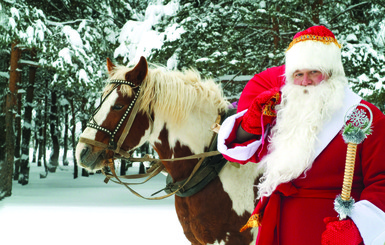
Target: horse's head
116, 116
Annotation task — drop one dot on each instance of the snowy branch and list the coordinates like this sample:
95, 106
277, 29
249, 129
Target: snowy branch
347, 10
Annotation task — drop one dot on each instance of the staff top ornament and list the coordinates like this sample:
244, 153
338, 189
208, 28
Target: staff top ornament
357, 124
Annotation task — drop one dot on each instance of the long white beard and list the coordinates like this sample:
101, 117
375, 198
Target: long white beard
301, 116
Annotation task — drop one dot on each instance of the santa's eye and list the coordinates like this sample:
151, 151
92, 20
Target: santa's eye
298, 74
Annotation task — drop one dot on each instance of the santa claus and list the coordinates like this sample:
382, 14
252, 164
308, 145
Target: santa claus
288, 122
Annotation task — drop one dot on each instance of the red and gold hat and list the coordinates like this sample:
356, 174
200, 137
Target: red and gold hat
315, 48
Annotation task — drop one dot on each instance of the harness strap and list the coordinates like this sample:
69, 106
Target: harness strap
152, 172
118, 181
147, 158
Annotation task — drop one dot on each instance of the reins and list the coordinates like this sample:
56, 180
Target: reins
116, 148
157, 168
153, 172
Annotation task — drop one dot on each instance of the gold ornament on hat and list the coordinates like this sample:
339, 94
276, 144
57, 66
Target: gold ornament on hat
309, 37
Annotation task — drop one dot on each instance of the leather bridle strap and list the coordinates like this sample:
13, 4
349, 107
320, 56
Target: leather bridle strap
92, 123
127, 128
93, 142
103, 146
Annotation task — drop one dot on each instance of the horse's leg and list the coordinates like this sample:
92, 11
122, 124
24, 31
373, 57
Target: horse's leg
183, 216
208, 218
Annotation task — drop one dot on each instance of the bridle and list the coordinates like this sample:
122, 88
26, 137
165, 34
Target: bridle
133, 108
116, 146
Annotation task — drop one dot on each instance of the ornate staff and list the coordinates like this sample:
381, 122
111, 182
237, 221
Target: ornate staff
356, 129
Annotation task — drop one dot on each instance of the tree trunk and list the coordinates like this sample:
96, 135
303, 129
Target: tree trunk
54, 158
24, 164
44, 133
122, 167
35, 146
73, 131
65, 141
84, 125
316, 7
18, 137
277, 38
40, 137
4, 62
6, 167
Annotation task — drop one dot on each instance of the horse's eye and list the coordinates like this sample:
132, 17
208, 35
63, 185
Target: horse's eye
117, 107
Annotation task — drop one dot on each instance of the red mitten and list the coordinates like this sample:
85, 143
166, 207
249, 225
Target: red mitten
340, 232
261, 111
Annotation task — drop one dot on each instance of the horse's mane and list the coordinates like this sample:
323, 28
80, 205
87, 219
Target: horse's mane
175, 94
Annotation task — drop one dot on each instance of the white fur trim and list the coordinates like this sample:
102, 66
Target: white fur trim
241, 153
370, 221
333, 127
313, 55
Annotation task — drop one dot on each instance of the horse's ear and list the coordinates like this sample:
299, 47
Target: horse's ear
110, 66
139, 72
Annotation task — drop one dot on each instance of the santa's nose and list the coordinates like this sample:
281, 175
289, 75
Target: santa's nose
306, 80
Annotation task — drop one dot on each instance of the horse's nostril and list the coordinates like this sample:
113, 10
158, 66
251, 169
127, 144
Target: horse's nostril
84, 153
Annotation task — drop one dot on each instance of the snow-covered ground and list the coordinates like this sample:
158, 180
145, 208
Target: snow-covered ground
62, 210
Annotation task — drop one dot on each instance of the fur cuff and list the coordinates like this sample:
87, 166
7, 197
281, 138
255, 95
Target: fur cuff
370, 221
240, 152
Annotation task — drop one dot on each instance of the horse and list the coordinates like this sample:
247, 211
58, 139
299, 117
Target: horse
174, 113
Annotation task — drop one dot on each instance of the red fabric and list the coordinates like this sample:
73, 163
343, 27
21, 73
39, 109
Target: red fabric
255, 121
268, 79
316, 30
296, 217
340, 232
271, 207
303, 203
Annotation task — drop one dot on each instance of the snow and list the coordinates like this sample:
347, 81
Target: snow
62, 210
137, 38
15, 12
4, 74
12, 23
351, 37
73, 36
83, 76
29, 62
65, 53
30, 34
40, 29
172, 62
173, 32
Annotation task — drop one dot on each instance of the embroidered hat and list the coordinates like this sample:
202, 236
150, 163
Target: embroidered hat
315, 48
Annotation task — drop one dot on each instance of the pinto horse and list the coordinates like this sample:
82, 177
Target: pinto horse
175, 111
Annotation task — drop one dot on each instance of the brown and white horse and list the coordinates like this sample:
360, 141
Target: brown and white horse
176, 111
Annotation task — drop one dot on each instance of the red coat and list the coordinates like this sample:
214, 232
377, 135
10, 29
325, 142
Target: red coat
310, 198
295, 211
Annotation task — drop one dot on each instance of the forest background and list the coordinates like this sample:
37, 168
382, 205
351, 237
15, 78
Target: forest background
53, 53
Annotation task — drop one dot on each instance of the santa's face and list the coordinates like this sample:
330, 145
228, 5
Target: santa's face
306, 77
